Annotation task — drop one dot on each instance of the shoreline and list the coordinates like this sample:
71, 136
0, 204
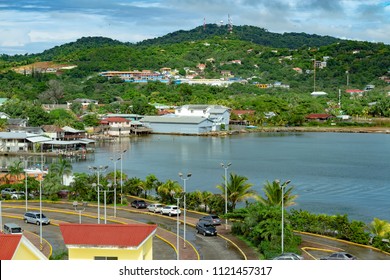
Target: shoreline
382, 130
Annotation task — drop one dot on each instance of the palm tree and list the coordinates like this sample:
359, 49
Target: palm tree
206, 199
237, 189
61, 168
15, 170
379, 227
273, 194
168, 190
151, 182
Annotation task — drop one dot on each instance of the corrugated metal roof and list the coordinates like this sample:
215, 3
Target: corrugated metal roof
59, 142
128, 235
71, 129
173, 119
8, 244
38, 139
86, 140
14, 135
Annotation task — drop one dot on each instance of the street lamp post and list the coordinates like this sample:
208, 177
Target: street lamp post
115, 162
121, 157
25, 177
282, 186
184, 178
98, 170
75, 204
177, 226
40, 212
226, 167
105, 191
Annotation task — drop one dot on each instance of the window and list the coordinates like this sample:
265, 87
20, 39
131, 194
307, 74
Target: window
103, 258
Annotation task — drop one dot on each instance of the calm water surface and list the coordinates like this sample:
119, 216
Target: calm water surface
333, 173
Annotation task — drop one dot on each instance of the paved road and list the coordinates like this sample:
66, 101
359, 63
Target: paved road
208, 247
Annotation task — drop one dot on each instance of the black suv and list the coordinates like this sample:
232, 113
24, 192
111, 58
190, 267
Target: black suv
138, 204
206, 228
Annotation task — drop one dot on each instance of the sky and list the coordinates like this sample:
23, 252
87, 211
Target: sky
32, 26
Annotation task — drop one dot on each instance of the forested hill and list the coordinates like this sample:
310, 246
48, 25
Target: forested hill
81, 45
248, 33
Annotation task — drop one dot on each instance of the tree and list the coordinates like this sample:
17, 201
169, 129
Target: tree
15, 170
379, 227
169, 190
61, 168
54, 93
273, 194
237, 189
91, 120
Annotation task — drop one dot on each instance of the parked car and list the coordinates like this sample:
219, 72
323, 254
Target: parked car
7, 191
206, 228
340, 256
211, 219
170, 210
288, 256
63, 193
35, 218
12, 228
17, 195
138, 203
155, 207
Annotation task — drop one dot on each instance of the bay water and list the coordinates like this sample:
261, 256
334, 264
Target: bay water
332, 173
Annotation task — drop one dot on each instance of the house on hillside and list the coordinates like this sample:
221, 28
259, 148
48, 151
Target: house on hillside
18, 247
109, 241
318, 117
85, 102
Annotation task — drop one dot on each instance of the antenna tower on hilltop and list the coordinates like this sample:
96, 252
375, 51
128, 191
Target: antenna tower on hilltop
204, 24
230, 24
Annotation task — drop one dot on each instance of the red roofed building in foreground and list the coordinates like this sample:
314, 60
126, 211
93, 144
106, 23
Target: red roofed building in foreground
18, 247
108, 241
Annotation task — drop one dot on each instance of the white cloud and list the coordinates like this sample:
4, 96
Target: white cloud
45, 22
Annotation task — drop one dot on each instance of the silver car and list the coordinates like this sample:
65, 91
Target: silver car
288, 256
155, 207
35, 218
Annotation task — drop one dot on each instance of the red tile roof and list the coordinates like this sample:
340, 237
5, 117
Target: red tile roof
354, 91
8, 245
129, 235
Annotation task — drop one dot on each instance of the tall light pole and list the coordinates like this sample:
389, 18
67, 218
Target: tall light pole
115, 162
226, 167
121, 157
40, 211
184, 178
105, 191
75, 204
177, 226
98, 170
282, 186
25, 177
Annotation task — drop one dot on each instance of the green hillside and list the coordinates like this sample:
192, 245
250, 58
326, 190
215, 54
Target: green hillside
256, 35
251, 55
